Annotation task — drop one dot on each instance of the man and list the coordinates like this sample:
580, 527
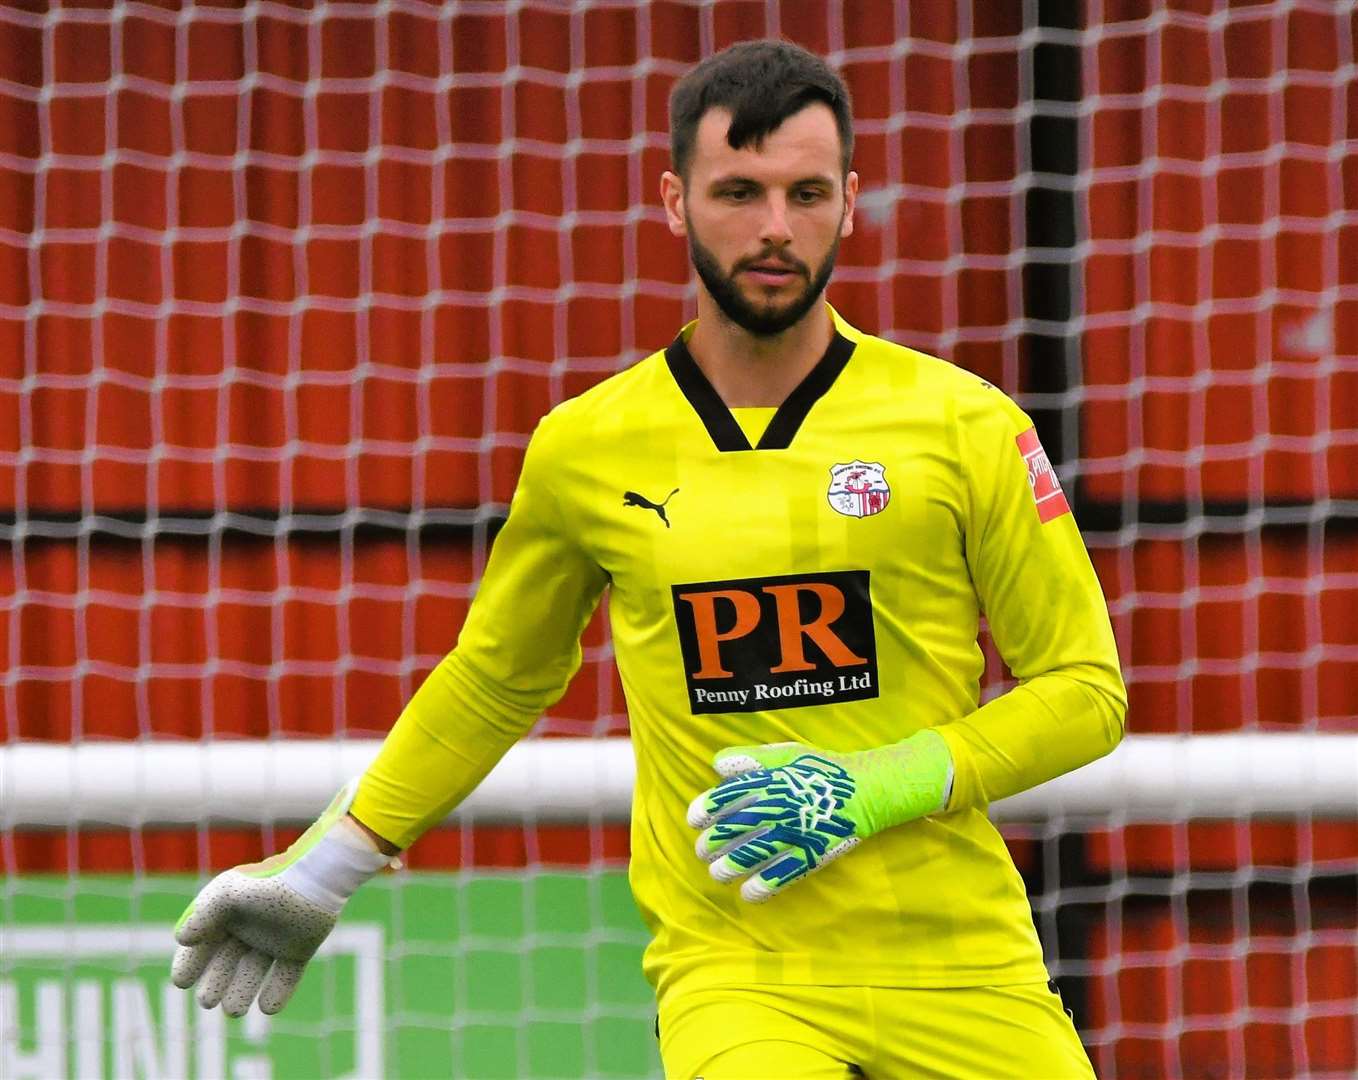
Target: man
800, 525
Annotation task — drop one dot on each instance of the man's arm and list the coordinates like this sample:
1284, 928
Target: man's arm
516, 653
253, 928
1046, 613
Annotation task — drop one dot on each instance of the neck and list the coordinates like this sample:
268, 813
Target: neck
753, 372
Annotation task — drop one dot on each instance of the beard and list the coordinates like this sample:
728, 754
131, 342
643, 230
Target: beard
766, 318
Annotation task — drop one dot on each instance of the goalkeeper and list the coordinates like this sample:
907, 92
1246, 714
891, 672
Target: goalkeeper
800, 526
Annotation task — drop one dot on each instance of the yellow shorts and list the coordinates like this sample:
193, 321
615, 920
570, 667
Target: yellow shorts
773, 1032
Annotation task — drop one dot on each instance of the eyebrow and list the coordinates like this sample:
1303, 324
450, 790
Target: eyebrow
823, 179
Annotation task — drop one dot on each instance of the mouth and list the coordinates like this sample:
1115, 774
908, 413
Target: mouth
772, 273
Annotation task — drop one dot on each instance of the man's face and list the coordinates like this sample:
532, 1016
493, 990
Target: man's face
764, 225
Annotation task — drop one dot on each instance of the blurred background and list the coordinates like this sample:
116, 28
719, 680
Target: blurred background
283, 290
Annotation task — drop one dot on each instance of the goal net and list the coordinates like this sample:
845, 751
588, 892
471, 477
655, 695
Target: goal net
283, 290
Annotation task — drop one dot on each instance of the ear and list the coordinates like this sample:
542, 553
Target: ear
672, 196
850, 201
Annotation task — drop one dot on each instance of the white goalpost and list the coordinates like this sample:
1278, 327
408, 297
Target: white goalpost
1147, 778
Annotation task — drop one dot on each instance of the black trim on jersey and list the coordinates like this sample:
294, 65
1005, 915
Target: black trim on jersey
778, 435
716, 417
706, 402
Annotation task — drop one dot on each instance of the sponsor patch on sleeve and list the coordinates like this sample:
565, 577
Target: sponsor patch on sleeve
1047, 493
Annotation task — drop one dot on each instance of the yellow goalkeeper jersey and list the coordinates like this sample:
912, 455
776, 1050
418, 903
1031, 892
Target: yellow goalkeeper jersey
824, 585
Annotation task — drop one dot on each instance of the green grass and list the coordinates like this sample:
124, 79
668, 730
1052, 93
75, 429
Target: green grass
495, 975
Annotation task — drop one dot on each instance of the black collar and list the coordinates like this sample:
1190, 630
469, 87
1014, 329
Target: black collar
716, 417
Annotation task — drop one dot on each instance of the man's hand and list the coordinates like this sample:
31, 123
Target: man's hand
785, 809
253, 928
237, 930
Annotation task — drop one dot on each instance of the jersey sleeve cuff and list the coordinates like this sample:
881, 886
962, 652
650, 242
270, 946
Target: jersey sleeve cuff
967, 790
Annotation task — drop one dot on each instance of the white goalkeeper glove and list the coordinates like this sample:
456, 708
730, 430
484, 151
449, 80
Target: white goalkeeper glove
252, 929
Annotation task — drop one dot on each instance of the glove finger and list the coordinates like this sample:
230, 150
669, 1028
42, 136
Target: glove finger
738, 760
731, 764
190, 961
205, 917
245, 984
696, 815
732, 830
779, 874
220, 972
749, 857
775, 876
726, 798
722, 837
280, 984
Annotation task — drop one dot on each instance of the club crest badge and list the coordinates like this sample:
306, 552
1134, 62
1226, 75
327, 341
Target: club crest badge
859, 489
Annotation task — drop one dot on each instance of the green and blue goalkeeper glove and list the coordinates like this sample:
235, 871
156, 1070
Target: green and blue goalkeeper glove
252, 929
785, 809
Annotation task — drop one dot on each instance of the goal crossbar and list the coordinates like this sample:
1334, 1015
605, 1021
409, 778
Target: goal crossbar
161, 783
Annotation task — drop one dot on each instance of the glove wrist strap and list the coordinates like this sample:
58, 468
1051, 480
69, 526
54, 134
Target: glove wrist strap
904, 781
342, 860
331, 859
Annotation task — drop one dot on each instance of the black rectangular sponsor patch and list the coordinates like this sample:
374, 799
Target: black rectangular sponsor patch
777, 642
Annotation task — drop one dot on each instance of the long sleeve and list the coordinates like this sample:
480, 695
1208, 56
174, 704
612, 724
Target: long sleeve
516, 654
1046, 612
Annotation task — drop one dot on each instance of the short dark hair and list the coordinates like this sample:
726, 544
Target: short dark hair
761, 83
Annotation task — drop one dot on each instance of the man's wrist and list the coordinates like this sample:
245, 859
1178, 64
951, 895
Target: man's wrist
904, 781
385, 846
333, 869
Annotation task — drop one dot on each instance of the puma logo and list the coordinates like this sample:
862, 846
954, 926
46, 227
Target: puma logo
631, 498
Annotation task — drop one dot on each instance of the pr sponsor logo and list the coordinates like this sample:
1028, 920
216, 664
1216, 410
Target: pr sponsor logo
750, 644
1042, 478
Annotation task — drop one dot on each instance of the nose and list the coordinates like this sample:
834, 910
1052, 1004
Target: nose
774, 227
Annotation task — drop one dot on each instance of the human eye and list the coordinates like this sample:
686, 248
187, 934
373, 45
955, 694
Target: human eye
738, 193
808, 196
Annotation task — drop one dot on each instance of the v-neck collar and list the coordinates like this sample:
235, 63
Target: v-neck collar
721, 426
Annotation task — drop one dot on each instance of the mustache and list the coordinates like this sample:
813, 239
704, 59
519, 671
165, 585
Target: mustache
782, 259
